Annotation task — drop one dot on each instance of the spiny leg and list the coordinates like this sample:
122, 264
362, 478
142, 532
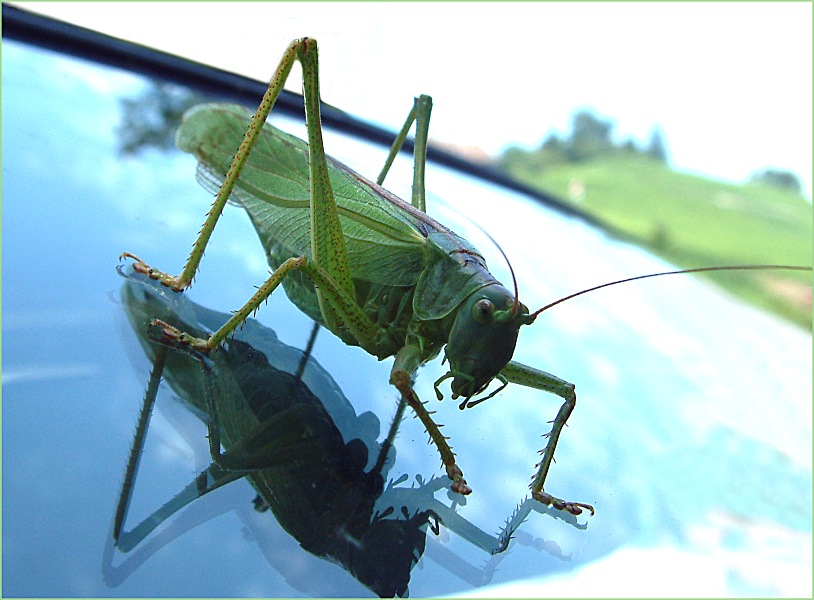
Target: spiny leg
184, 280
341, 302
327, 238
407, 361
534, 378
210, 479
387, 444
126, 494
328, 268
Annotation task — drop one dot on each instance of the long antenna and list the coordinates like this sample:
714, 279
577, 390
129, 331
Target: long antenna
533, 315
513, 310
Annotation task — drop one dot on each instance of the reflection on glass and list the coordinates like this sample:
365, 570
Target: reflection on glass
276, 411
149, 118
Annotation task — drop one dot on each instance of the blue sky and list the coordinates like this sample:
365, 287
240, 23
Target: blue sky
729, 84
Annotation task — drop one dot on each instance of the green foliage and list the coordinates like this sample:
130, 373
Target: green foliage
692, 222
778, 178
590, 138
656, 147
150, 119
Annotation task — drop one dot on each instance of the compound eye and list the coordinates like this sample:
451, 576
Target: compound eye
483, 311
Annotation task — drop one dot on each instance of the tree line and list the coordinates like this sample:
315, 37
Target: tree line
591, 137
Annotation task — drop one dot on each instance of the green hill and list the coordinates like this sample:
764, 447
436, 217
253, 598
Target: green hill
692, 221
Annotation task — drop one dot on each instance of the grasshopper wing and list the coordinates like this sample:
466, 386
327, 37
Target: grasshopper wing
385, 237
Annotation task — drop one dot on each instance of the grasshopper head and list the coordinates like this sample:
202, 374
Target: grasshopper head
483, 338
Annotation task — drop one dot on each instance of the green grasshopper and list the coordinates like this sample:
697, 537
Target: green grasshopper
377, 272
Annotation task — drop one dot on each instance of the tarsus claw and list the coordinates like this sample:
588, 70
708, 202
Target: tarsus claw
171, 335
575, 508
139, 266
459, 485
169, 332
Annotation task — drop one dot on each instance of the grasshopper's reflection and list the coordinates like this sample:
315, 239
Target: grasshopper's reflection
285, 425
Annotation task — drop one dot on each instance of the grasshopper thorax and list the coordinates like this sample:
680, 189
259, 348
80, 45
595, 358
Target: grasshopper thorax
482, 339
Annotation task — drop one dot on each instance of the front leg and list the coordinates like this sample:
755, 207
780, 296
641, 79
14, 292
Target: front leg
407, 362
540, 380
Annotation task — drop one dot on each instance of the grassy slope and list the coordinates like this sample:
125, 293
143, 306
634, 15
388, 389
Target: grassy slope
692, 222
